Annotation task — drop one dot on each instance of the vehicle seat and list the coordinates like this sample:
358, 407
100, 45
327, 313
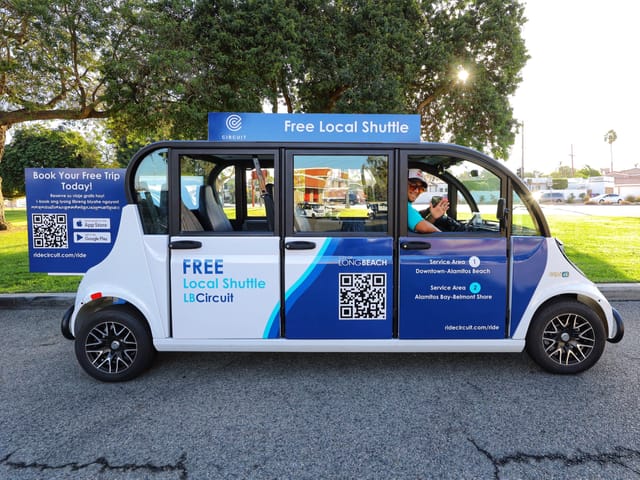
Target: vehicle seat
188, 220
301, 224
211, 214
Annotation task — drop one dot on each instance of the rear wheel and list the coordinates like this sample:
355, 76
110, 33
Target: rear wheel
114, 345
566, 337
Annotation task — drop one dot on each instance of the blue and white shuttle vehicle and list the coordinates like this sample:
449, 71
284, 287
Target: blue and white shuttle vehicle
217, 251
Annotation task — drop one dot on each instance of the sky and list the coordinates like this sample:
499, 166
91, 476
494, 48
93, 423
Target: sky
581, 81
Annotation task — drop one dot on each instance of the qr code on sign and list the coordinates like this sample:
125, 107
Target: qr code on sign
49, 230
363, 296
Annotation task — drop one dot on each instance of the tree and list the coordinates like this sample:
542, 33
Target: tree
560, 183
610, 137
343, 56
484, 39
37, 147
155, 69
563, 171
587, 171
49, 62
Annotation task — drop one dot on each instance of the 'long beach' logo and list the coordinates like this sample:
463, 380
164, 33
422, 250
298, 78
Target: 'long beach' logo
234, 123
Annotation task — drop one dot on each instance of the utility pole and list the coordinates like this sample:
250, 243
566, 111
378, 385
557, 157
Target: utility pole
572, 155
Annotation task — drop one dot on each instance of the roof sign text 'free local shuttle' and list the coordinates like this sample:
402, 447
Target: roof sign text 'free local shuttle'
313, 127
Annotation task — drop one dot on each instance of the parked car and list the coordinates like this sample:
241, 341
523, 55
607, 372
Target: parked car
607, 198
313, 210
551, 197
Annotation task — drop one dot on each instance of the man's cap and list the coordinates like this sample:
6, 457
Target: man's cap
415, 174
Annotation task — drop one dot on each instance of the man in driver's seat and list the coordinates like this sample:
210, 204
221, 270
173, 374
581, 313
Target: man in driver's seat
417, 185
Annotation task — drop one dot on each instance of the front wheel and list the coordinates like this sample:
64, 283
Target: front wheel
566, 337
114, 345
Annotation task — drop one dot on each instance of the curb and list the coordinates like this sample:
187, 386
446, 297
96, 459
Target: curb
615, 292
23, 300
620, 292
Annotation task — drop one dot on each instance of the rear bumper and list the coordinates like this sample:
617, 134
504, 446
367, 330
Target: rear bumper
64, 324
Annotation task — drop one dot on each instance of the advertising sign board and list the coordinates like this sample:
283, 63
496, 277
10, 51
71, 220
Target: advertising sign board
313, 127
73, 216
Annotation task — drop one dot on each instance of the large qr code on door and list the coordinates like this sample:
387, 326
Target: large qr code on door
363, 296
49, 230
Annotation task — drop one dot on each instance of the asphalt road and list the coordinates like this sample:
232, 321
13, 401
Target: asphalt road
313, 416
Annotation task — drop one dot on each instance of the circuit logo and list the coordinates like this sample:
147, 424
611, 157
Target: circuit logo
234, 122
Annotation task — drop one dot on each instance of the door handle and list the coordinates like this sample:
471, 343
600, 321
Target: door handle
300, 245
415, 245
185, 245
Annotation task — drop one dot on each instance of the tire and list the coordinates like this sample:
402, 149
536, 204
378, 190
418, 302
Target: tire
114, 345
566, 337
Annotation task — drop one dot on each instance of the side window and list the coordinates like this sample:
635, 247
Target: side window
225, 192
201, 208
484, 188
522, 223
152, 192
340, 193
472, 190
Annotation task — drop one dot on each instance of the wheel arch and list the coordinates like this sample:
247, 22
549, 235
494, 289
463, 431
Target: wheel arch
584, 299
90, 308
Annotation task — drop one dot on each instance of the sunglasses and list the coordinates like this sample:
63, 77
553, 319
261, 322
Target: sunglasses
416, 186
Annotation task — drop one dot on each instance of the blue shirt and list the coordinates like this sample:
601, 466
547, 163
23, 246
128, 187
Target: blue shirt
413, 217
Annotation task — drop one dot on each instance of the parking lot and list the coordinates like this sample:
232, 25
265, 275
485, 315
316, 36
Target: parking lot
592, 210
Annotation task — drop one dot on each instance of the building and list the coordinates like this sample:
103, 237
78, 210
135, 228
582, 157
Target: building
627, 182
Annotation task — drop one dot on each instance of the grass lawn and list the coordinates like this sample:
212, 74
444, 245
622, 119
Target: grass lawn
14, 262
606, 249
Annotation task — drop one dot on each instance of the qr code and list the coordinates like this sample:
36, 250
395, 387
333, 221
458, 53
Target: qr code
49, 230
363, 296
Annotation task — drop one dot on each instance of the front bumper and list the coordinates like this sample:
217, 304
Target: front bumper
619, 327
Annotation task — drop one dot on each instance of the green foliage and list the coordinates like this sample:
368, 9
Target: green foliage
563, 171
559, 183
485, 39
49, 59
188, 58
156, 68
587, 172
37, 147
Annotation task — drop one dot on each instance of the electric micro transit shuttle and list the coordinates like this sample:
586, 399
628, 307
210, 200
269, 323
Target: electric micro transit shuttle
215, 253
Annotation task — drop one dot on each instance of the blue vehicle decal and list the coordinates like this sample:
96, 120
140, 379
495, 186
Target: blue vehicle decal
309, 276
456, 289
342, 294
529, 262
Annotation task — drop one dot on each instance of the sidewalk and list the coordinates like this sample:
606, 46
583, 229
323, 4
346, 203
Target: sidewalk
615, 292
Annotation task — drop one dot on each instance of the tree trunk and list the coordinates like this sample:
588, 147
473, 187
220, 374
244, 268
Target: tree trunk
3, 137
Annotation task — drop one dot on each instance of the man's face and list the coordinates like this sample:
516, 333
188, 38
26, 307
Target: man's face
415, 188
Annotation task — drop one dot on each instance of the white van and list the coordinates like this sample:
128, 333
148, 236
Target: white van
213, 254
552, 197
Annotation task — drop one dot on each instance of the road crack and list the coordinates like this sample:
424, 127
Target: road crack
617, 456
103, 464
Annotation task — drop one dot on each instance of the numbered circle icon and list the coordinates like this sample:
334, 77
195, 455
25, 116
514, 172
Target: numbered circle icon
474, 261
